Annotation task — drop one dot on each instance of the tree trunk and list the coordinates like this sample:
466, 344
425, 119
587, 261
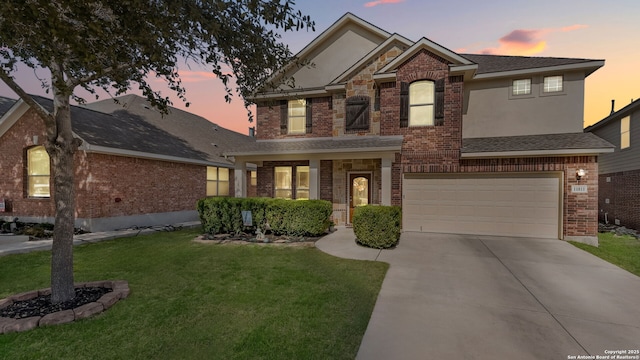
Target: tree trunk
61, 148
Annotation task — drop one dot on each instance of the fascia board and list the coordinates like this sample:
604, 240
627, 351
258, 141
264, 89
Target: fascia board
12, 115
591, 65
343, 155
294, 93
530, 153
144, 155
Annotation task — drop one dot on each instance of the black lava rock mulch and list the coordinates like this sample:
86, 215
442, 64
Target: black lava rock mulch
41, 305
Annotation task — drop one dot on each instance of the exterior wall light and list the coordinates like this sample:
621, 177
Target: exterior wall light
580, 173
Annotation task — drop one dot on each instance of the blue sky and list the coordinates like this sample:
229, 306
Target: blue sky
582, 29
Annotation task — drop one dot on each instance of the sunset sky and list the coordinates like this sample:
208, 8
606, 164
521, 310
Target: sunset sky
561, 28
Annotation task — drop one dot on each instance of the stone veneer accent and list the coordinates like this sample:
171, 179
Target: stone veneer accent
120, 291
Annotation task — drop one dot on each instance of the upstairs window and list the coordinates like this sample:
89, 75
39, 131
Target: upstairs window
295, 117
552, 84
38, 172
625, 134
521, 87
422, 103
217, 181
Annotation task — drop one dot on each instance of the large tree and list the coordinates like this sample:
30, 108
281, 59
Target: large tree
116, 44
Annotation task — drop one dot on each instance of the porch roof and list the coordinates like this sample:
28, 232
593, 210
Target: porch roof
326, 145
535, 145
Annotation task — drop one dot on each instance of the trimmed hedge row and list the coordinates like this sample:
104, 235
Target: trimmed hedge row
283, 217
377, 226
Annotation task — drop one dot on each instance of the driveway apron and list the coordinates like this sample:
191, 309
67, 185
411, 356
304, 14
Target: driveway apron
482, 297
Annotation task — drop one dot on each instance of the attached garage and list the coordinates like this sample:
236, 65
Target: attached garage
520, 205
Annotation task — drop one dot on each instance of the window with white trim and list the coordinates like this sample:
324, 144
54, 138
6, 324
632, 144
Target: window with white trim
217, 181
552, 84
286, 186
421, 103
521, 87
38, 173
625, 133
297, 116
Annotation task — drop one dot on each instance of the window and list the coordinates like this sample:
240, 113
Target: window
283, 182
421, 103
552, 84
38, 172
217, 181
254, 178
625, 138
521, 87
302, 182
297, 116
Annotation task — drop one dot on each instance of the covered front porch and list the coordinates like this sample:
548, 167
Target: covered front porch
348, 172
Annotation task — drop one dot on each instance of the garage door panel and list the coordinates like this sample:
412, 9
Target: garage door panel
485, 205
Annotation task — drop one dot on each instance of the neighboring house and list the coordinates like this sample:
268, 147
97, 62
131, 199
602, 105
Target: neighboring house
619, 182
134, 167
473, 144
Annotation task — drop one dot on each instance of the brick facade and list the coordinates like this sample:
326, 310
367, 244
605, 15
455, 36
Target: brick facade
622, 190
106, 185
268, 120
425, 149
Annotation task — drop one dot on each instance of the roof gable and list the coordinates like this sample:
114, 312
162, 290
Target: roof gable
625, 111
334, 51
430, 46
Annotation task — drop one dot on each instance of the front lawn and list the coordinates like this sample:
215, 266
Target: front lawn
201, 301
623, 251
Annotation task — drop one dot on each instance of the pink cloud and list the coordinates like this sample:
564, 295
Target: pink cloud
526, 42
381, 2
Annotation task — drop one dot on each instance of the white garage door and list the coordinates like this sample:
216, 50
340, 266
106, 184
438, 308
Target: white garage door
504, 205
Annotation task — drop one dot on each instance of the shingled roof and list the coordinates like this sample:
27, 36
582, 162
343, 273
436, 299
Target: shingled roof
501, 63
199, 133
528, 143
320, 145
5, 104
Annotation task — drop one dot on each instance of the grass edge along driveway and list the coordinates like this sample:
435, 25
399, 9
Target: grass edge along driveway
623, 251
201, 301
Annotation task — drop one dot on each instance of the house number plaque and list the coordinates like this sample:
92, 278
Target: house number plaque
579, 189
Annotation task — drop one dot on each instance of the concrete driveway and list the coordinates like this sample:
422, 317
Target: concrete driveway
481, 297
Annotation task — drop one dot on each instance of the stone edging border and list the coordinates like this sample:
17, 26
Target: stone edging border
120, 291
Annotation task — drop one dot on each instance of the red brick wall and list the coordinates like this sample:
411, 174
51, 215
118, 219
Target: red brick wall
326, 180
268, 120
143, 186
623, 192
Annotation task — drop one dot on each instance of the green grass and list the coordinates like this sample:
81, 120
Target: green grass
623, 251
200, 301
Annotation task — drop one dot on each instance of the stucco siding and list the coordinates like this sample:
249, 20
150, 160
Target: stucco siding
625, 159
489, 109
342, 50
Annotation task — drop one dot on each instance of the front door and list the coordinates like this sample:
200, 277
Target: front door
359, 192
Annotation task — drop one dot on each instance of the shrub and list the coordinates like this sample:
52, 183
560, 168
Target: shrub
377, 226
285, 217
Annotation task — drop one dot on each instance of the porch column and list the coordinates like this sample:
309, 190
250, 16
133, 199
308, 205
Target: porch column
386, 180
240, 179
314, 179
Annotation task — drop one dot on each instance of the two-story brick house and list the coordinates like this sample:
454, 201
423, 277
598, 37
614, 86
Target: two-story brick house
474, 144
